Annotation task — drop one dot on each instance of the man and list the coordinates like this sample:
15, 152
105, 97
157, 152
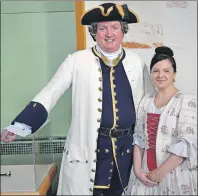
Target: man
107, 85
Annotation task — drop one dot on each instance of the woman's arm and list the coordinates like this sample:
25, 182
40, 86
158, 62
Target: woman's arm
137, 166
172, 162
140, 145
137, 158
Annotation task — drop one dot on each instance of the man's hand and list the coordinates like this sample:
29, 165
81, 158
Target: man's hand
143, 178
7, 136
156, 175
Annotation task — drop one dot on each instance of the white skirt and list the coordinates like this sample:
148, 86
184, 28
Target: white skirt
177, 182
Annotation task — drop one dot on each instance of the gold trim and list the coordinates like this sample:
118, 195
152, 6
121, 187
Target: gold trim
120, 10
113, 98
114, 155
138, 20
102, 10
101, 187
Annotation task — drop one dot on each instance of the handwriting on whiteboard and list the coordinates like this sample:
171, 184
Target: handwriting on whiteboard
144, 35
151, 29
176, 4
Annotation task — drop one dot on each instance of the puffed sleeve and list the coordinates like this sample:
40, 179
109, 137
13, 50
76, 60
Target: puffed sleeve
187, 131
139, 133
180, 149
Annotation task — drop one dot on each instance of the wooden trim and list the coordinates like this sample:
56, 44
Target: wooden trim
47, 181
19, 194
80, 29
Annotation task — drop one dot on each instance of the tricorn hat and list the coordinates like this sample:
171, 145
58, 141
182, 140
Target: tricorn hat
109, 12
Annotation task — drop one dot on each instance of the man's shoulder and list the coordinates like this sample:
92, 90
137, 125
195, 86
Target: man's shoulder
87, 51
131, 53
133, 56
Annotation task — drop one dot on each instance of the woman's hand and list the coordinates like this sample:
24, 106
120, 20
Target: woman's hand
156, 175
143, 178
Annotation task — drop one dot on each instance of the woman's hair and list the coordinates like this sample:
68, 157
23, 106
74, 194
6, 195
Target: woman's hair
162, 53
93, 29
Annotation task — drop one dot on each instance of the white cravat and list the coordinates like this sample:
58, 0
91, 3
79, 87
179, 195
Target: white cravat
109, 55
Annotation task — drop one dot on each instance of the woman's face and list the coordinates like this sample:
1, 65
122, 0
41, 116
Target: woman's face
162, 74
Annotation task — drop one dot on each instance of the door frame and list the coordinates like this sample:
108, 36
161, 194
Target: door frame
80, 29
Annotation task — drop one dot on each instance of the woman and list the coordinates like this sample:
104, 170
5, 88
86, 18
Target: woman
165, 138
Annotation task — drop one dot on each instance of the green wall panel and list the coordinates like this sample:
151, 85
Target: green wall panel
33, 45
36, 6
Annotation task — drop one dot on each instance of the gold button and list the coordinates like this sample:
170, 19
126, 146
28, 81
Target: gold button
113, 71
100, 88
34, 105
99, 99
99, 120
128, 151
99, 110
116, 110
114, 86
116, 101
93, 170
100, 79
113, 78
106, 150
116, 126
117, 118
115, 94
115, 147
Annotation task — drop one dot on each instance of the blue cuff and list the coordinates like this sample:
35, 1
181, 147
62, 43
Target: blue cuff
33, 115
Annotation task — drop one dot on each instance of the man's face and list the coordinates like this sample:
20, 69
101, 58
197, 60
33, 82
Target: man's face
109, 35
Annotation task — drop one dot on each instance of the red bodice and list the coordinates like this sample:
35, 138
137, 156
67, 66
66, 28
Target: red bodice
152, 126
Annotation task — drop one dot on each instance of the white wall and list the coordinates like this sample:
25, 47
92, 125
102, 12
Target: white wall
171, 23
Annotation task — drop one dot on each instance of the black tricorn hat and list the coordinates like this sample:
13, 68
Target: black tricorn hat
109, 12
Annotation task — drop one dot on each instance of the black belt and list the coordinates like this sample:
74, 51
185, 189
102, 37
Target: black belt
117, 133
